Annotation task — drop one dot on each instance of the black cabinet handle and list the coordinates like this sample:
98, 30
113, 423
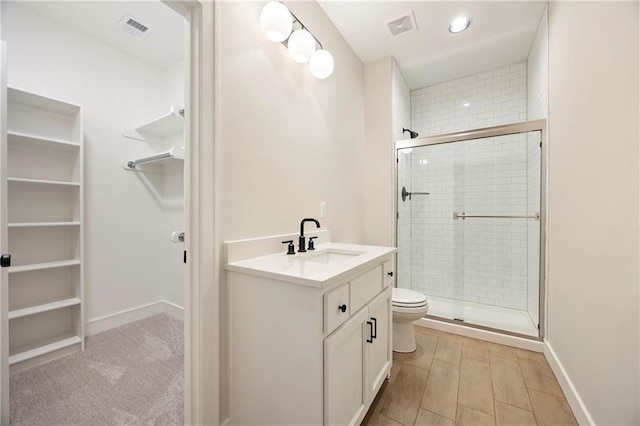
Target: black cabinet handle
343, 308
374, 331
370, 340
5, 260
390, 273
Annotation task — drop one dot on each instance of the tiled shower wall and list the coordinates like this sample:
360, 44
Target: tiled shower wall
480, 260
486, 99
465, 259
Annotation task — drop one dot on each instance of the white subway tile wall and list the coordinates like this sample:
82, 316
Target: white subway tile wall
475, 259
490, 98
486, 261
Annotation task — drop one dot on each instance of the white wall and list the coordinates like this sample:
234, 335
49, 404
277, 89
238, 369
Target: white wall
287, 140
593, 303
128, 256
378, 154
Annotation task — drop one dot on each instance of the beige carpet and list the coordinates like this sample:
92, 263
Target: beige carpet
131, 375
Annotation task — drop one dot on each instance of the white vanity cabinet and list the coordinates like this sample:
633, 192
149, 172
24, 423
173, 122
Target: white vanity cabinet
357, 360
304, 353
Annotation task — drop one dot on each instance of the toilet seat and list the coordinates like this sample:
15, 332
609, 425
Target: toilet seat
405, 298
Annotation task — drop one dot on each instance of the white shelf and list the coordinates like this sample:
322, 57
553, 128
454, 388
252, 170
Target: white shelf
29, 99
44, 347
42, 224
39, 142
166, 125
42, 182
45, 265
45, 307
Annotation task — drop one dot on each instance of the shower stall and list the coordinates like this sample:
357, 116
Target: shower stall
470, 221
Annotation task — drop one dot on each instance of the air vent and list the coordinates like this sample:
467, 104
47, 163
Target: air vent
133, 26
402, 24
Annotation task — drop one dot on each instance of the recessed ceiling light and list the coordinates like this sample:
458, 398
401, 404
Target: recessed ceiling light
459, 24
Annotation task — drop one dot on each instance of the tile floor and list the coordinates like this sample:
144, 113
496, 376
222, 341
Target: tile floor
452, 379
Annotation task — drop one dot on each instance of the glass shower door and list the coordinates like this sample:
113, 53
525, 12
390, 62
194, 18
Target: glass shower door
469, 229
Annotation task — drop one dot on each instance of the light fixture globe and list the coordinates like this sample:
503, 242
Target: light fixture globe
276, 21
321, 64
301, 46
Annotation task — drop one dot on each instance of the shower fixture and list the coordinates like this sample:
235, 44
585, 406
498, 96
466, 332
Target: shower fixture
406, 194
411, 132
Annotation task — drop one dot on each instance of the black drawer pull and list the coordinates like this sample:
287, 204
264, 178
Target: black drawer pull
342, 308
370, 339
374, 332
390, 273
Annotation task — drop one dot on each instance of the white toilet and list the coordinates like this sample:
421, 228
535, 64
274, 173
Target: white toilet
408, 306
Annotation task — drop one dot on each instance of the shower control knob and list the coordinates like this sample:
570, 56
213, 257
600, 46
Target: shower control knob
390, 273
343, 308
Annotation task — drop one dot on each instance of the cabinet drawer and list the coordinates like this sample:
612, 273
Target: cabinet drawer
365, 287
334, 303
388, 274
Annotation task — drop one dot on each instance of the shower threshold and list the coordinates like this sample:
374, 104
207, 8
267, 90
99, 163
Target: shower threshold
495, 317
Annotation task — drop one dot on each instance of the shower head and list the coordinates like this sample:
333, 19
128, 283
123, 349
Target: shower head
411, 132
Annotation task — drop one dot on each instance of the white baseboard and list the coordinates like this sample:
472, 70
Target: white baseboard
107, 322
573, 398
476, 333
173, 310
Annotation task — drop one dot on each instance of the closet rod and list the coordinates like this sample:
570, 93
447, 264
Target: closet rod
175, 152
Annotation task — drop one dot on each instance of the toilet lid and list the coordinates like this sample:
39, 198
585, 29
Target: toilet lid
406, 297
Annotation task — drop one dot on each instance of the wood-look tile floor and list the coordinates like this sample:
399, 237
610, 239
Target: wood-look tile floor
457, 380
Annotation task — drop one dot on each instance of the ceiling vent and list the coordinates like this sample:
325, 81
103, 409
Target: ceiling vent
402, 24
133, 26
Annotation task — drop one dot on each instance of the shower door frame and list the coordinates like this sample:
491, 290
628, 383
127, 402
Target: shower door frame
488, 132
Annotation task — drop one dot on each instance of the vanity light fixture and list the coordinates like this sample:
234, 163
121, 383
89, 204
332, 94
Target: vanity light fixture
459, 24
277, 22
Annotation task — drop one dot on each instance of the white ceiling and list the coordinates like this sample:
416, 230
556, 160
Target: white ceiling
162, 47
501, 33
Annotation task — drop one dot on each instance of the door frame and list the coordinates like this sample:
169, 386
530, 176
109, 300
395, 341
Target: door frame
4, 275
201, 322
201, 223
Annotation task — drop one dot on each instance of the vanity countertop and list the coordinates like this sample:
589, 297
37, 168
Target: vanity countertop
327, 264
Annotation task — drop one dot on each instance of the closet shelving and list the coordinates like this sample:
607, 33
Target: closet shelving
167, 125
45, 224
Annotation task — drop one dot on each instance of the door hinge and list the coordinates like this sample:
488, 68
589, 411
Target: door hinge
5, 260
184, 258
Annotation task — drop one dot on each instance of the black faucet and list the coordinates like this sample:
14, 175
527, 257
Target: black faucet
301, 245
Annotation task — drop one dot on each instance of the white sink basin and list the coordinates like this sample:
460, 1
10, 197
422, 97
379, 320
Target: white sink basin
330, 256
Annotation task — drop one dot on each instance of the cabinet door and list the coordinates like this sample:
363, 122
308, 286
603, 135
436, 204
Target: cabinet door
344, 391
379, 350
